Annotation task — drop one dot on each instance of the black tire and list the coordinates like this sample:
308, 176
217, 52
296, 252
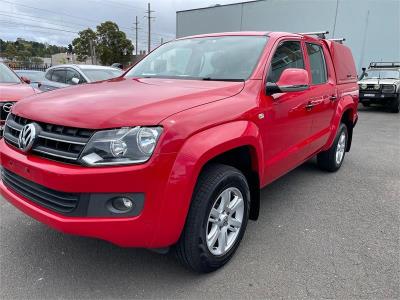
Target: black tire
395, 107
327, 159
192, 250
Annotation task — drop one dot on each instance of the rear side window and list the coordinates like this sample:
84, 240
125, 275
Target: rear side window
317, 63
58, 76
48, 74
287, 55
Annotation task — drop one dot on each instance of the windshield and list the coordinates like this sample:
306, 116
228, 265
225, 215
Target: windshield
209, 58
101, 74
8, 76
381, 74
32, 76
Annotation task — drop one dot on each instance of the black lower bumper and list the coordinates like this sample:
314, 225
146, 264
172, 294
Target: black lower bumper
378, 98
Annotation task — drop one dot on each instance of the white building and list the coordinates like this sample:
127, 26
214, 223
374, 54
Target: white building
371, 27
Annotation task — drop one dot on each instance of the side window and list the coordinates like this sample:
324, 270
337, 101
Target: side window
71, 73
287, 55
48, 74
317, 63
58, 76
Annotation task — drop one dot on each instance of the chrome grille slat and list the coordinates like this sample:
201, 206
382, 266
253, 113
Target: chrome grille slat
54, 142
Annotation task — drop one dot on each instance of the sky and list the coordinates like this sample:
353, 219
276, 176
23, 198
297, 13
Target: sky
58, 22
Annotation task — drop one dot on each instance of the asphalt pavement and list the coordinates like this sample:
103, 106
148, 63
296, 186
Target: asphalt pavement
320, 235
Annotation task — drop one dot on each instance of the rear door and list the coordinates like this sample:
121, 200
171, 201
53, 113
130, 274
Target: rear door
288, 123
322, 93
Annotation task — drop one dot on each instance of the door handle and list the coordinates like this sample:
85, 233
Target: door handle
333, 98
309, 106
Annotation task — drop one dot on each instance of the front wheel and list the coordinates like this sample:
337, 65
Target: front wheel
395, 107
331, 160
216, 221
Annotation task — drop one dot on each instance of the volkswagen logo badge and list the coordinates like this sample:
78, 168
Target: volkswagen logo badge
7, 107
27, 136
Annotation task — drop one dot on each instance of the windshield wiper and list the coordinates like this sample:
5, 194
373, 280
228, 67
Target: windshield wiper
222, 79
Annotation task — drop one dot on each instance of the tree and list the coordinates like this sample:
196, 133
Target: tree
37, 61
112, 44
11, 51
70, 49
82, 43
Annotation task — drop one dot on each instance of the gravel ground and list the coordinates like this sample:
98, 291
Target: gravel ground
319, 235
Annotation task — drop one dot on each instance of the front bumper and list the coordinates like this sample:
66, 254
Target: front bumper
377, 97
149, 179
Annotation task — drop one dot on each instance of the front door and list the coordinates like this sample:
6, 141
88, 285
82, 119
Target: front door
288, 122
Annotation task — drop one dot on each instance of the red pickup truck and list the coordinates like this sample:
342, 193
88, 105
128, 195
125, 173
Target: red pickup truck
174, 152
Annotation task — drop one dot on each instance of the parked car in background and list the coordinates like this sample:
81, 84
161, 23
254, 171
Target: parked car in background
174, 153
35, 77
380, 85
66, 75
12, 89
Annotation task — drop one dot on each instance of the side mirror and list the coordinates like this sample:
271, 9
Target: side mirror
291, 80
75, 80
25, 79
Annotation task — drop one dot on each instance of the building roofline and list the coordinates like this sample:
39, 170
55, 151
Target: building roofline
220, 5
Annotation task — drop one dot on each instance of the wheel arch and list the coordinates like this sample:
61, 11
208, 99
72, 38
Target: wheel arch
346, 112
217, 144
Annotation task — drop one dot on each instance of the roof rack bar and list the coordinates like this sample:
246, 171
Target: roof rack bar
383, 64
339, 40
320, 34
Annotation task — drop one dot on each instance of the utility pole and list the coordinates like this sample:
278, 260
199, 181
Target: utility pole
91, 49
149, 17
136, 35
162, 41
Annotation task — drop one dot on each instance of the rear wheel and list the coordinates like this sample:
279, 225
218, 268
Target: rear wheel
332, 159
216, 221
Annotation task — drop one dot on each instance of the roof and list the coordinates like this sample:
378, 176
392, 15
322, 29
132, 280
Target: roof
27, 70
92, 67
220, 5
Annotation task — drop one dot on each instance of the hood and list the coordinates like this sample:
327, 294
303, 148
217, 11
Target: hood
123, 101
379, 81
15, 91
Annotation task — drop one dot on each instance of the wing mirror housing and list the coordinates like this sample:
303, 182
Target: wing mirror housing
75, 80
25, 79
291, 80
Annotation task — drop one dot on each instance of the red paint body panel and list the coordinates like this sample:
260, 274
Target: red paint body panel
15, 92
201, 120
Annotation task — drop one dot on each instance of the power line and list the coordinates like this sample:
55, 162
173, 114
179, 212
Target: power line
43, 27
114, 3
148, 12
35, 19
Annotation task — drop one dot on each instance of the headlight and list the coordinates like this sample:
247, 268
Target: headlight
121, 146
363, 86
376, 86
388, 88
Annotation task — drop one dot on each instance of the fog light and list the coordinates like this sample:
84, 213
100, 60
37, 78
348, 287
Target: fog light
122, 204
